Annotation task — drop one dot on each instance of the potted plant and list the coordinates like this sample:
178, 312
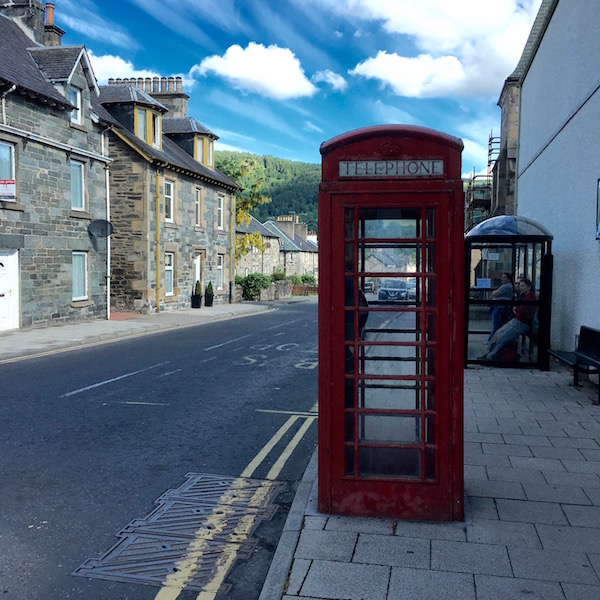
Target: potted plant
209, 294
197, 295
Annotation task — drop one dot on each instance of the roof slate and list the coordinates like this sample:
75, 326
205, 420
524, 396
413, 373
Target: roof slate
128, 93
18, 67
255, 226
174, 125
57, 62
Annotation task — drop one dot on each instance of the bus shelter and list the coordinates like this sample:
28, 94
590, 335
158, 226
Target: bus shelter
508, 323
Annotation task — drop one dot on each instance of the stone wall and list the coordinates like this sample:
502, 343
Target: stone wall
40, 223
133, 193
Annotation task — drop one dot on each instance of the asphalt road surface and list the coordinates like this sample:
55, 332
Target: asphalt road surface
171, 457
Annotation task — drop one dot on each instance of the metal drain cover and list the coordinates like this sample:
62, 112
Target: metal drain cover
207, 519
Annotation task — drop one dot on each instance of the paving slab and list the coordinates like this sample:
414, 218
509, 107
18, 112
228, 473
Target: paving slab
392, 551
552, 565
346, 581
574, 591
416, 584
504, 533
360, 525
503, 588
583, 516
461, 557
582, 539
326, 545
563, 494
531, 512
434, 531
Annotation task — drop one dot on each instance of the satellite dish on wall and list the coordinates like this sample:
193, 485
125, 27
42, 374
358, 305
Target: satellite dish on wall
100, 228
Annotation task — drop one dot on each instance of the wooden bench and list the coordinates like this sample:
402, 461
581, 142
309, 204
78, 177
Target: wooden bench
585, 358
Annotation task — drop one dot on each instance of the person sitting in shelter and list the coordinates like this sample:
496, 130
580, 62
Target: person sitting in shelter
501, 313
510, 333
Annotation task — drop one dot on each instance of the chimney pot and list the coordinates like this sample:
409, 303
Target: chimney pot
50, 14
111, 81
140, 83
171, 84
163, 84
155, 87
178, 84
119, 81
148, 84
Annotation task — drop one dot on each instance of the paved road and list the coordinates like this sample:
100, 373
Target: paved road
93, 438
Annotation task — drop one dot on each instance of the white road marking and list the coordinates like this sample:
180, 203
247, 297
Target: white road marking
95, 385
225, 343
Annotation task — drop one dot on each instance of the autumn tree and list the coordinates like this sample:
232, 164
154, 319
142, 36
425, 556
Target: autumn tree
249, 175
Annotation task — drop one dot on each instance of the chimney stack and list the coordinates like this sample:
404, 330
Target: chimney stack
52, 33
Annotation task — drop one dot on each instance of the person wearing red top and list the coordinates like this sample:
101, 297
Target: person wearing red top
524, 315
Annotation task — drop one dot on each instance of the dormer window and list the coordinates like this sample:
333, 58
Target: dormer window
204, 151
148, 126
77, 112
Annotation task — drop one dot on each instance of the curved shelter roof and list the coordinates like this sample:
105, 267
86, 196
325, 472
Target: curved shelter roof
508, 226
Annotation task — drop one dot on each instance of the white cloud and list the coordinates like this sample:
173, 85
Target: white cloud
336, 81
485, 37
271, 71
312, 127
108, 66
418, 77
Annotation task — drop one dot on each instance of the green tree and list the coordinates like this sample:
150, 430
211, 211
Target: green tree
244, 171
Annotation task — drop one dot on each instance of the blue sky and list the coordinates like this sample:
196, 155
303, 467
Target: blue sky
279, 77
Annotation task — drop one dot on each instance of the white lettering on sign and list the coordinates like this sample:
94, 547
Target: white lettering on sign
392, 168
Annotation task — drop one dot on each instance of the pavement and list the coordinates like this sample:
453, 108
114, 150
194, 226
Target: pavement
532, 491
39, 341
532, 503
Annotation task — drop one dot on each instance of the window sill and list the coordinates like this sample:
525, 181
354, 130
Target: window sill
80, 214
9, 205
170, 225
172, 298
78, 126
200, 228
81, 303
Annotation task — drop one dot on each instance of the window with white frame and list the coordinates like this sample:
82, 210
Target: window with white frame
7, 172
220, 212
156, 130
80, 275
169, 214
198, 208
200, 149
210, 153
220, 262
77, 112
169, 272
77, 186
141, 123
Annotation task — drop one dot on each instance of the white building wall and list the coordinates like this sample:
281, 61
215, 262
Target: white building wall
559, 161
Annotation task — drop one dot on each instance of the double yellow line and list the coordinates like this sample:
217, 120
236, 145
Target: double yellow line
175, 582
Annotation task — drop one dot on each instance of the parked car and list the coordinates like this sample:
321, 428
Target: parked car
368, 287
393, 289
412, 290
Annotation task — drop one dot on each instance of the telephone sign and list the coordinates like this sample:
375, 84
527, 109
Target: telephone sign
391, 326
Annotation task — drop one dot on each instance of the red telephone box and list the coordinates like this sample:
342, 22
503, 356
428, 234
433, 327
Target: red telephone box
391, 310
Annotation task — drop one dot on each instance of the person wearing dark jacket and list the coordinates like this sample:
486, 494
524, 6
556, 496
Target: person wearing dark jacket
524, 315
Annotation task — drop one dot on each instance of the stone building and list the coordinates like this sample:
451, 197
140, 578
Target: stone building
173, 212
297, 255
256, 260
53, 183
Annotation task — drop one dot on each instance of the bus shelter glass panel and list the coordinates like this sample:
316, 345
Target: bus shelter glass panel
390, 342
502, 316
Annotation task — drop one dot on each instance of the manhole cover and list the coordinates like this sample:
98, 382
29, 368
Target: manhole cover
189, 533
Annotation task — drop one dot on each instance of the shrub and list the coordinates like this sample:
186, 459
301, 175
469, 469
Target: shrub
308, 279
278, 276
198, 288
252, 284
295, 279
209, 289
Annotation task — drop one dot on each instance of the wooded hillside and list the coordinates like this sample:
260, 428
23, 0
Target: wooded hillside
293, 186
